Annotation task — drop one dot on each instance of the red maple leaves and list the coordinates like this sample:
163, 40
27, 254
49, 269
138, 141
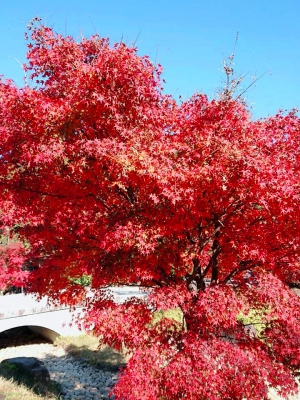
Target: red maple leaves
106, 176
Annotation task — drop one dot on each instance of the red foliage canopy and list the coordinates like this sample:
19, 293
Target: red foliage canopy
105, 175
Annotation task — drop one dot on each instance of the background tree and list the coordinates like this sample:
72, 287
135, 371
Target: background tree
108, 177
13, 274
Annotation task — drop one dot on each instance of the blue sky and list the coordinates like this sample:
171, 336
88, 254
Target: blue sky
189, 38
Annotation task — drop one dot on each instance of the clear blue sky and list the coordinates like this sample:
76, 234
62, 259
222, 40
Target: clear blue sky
189, 38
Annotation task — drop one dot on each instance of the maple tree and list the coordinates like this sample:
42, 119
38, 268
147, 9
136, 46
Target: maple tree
107, 177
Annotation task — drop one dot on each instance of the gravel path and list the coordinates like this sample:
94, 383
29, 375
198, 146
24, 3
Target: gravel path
78, 379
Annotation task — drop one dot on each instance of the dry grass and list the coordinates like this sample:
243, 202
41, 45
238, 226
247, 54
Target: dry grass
254, 318
11, 390
174, 313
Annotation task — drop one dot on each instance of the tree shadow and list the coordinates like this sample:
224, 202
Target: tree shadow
106, 359
49, 390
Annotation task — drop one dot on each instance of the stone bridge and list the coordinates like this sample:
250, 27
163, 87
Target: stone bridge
18, 310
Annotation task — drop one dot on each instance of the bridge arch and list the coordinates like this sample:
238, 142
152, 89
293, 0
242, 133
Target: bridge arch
48, 324
42, 331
